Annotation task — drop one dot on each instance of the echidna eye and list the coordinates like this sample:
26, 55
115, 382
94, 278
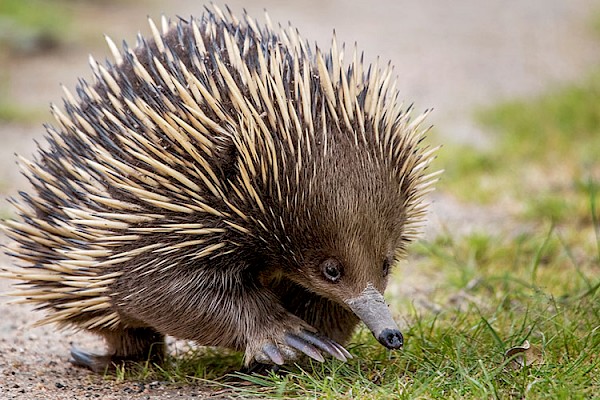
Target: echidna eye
331, 269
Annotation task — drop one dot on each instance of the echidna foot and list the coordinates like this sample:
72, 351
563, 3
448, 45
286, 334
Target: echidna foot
95, 362
326, 344
305, 342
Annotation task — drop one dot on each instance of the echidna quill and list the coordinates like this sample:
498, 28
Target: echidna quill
227, 183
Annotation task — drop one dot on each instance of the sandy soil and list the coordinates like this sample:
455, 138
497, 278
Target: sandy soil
453, 58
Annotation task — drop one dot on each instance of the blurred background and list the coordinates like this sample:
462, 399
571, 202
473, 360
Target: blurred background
515, 88
456, 59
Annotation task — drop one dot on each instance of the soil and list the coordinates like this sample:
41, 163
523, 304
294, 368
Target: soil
453, 58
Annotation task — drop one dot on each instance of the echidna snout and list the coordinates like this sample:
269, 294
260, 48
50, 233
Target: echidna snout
227, 183
372, 309
391, 338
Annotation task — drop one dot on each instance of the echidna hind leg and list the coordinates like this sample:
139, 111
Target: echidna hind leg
136, 344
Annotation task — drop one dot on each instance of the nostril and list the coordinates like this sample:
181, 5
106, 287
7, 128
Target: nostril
391, 338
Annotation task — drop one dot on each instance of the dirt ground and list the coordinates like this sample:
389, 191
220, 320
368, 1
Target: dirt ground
451, 57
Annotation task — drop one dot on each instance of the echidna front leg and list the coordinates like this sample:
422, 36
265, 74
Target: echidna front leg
288, 343
132, 344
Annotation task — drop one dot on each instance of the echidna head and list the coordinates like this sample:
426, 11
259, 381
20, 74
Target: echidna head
349, 228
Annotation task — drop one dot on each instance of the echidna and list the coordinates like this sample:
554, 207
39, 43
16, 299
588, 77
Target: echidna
226, 183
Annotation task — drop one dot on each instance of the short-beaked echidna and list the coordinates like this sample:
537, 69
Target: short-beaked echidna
226, 183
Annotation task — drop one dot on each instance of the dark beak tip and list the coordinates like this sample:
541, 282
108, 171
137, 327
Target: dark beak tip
391, 339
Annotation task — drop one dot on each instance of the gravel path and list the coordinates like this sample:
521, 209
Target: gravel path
451, 58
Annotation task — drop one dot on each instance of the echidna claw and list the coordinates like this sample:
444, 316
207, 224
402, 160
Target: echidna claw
325, 344
342, 350
95, 362
311, 344
304, 346
271, 351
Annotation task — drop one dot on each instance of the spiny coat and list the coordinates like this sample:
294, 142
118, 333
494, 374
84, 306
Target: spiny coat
226, 183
